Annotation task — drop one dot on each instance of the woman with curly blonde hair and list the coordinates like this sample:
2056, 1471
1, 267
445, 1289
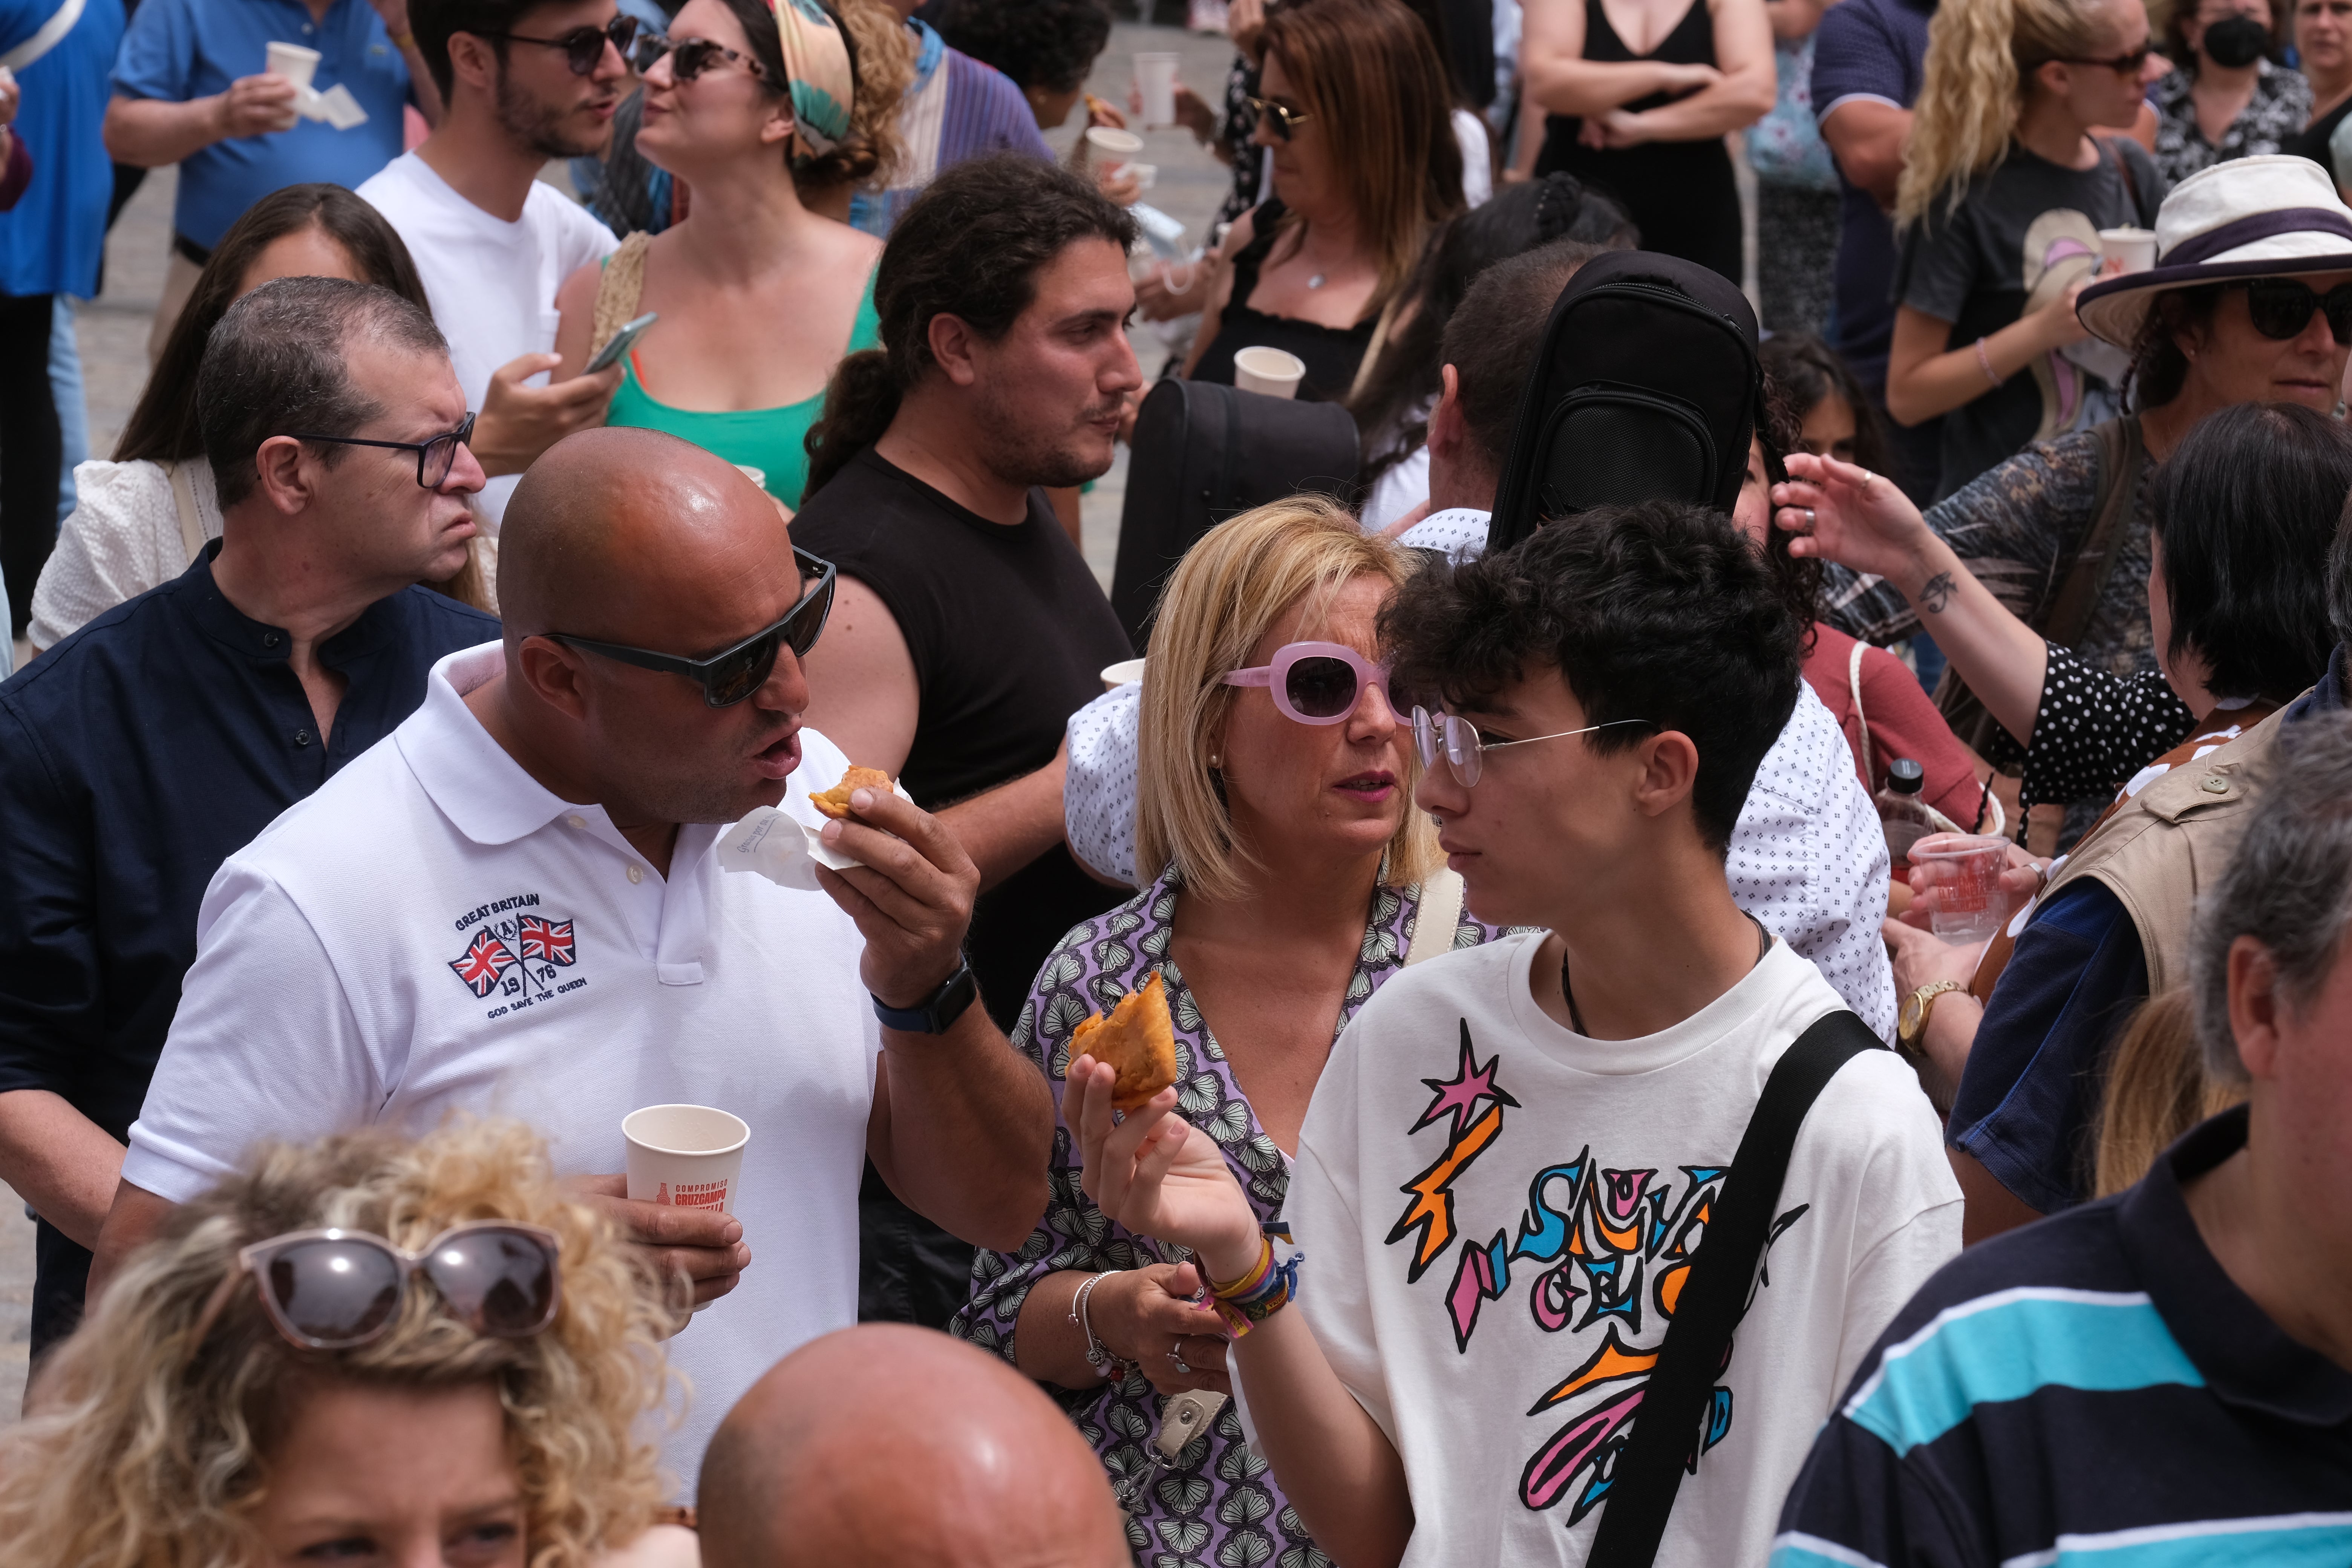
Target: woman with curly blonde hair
2003, 193
367, 1348
763, 112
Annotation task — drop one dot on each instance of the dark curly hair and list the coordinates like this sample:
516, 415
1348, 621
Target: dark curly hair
1777, 435
1045, 44
969, 246
1658, 612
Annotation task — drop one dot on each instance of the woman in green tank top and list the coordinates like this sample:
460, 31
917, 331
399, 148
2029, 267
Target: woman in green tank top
758, 296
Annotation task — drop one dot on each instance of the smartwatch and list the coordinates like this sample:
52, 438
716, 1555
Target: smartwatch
934, 1014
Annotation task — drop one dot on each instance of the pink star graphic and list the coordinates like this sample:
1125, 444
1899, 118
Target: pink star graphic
1460, 1095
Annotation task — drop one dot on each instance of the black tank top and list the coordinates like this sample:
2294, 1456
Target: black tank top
1680, 195
1330, 354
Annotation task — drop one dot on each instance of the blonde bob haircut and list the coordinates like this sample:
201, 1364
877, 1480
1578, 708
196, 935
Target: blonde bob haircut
143, 1449
1981, 57
1223, 597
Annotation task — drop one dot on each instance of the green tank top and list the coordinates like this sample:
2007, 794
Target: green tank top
769, 440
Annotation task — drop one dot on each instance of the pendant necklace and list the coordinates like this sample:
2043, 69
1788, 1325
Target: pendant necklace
1763, 946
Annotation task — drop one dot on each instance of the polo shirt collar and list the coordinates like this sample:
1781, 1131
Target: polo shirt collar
202, 599
466, 774
2246, 1359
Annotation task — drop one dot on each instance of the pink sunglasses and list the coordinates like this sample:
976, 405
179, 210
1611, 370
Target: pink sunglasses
1315, 682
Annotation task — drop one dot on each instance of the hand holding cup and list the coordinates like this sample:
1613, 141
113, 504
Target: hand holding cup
702, 1249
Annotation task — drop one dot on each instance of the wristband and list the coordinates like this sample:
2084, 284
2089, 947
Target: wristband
1264, 1290
1984, 363
404, 40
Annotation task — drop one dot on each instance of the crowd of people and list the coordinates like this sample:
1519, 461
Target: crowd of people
532, 660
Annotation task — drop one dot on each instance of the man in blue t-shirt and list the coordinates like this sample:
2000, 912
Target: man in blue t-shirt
2163, 1376
1869, 60
192, 87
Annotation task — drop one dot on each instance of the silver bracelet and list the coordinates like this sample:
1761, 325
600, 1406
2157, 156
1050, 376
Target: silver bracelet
1107, 1365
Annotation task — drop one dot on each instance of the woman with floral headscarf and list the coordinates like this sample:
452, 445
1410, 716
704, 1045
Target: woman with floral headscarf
758, 296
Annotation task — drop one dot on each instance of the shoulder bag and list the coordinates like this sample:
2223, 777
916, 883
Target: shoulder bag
1698, 1343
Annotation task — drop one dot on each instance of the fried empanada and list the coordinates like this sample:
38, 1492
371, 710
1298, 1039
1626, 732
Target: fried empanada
834, 802
1137, 1040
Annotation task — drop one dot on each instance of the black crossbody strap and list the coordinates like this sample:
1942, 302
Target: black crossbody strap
1650, 1468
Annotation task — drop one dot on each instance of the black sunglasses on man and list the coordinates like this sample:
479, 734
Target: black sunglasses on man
582, 46
732, 673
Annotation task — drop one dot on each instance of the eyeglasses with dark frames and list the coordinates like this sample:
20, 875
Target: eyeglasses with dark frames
2131, 62
1285, 119
690, 58
583, 46
732, 673
434, 458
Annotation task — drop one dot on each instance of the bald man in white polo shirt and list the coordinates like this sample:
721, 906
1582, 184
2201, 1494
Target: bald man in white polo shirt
512, 906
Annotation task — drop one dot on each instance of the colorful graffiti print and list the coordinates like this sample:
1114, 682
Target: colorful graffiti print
1596, 1246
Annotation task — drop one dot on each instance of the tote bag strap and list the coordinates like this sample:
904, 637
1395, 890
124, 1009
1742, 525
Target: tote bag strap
183, 502
50, 34
1440, 912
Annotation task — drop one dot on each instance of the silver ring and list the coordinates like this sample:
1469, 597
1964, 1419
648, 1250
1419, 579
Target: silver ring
1176, 1354
1809, 519
1867, 477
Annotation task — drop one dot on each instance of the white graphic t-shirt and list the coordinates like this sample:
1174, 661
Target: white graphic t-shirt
1497, 1216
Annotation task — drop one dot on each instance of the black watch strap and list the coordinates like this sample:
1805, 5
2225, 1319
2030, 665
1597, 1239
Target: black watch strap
934, 1014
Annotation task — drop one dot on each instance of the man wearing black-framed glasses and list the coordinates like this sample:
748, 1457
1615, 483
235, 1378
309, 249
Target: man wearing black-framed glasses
524, 82
559, 925
146, 748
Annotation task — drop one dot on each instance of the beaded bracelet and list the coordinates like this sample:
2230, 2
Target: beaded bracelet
1264, 1290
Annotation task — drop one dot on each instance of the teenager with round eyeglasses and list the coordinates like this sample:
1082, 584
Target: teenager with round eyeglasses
364, 1348
1292, 881
758, 296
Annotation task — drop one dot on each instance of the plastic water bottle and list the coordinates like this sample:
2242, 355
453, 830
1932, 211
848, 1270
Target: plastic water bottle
1902, 811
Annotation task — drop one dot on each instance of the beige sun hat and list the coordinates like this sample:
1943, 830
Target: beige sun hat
2250, 217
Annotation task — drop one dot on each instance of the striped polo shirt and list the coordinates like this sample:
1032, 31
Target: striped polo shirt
2090, 1391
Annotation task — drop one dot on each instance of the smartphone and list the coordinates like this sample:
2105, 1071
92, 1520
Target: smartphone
622, 342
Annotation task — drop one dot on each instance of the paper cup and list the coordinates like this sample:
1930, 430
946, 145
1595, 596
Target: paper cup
2134, 247
685, 1156
1155, 82
757, 476
292, 61
1126, 672
1269, 370
1113, 146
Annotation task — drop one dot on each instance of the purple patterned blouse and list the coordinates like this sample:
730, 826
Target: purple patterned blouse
1217, 1507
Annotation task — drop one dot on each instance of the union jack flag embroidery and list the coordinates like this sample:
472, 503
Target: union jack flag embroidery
548, 940
488, 958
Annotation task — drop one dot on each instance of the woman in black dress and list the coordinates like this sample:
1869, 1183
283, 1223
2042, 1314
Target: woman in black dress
1354, 109
1639, 95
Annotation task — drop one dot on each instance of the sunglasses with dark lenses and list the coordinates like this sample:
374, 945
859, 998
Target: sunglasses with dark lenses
2282, 307
729, 676
2131, 62
434, 458
1314, 682
583, 46
1285, 119
690, 58
333, 1289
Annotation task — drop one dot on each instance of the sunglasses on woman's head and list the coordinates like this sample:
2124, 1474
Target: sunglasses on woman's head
688, 60
732, 673
1314, 682
583, 46
2280, 308
334, 1289
1285, 119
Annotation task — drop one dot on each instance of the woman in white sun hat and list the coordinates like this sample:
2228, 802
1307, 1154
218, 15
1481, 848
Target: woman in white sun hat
2250, 301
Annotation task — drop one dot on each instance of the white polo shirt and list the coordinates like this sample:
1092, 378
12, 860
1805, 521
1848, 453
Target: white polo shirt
434, 932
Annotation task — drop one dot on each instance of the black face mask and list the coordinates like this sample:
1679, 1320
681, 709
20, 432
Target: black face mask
2235, 42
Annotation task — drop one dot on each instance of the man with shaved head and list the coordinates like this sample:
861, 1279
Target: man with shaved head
886, 1445
516, 906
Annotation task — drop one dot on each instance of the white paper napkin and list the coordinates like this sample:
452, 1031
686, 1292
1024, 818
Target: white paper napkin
336, 106
765, 842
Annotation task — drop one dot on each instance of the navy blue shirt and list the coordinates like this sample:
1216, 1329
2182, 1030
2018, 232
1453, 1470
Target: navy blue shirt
136, 756
2091, 1389
1875, 50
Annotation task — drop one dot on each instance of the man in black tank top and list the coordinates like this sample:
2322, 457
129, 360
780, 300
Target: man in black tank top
967, 628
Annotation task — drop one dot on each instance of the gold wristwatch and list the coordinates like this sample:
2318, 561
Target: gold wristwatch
1912, 1025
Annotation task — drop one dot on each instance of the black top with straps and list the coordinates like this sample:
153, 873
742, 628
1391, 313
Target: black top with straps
1330, 354
1681, 195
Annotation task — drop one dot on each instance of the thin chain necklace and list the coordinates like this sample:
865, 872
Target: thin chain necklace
1763, 946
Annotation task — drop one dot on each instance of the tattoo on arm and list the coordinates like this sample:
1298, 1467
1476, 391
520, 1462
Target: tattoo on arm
1936, 592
